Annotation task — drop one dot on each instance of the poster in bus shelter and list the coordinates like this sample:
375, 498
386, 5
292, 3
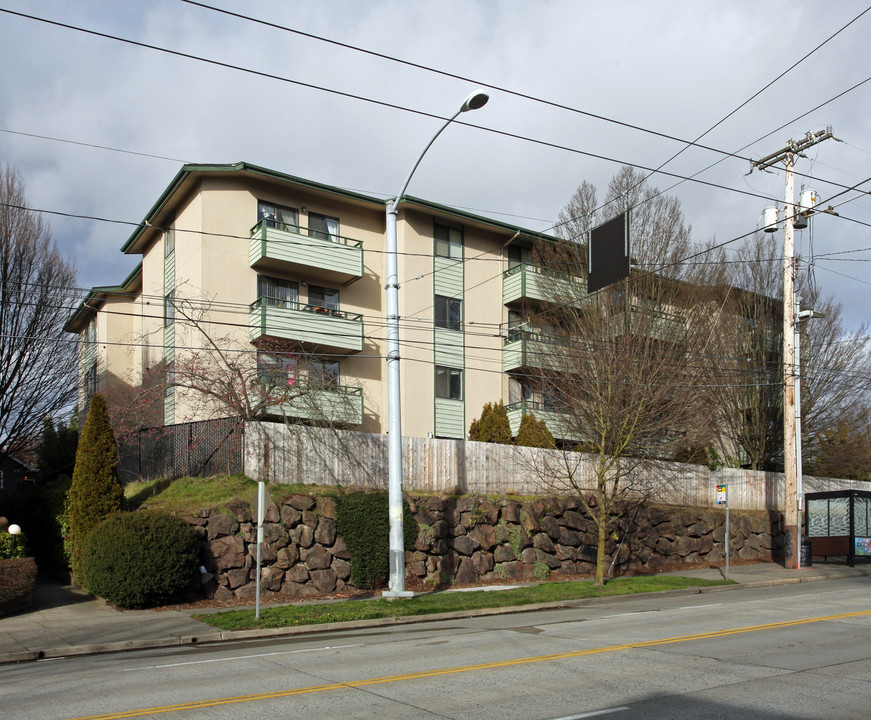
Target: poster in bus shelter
863, 546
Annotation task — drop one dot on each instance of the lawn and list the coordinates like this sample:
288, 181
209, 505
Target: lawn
439, 602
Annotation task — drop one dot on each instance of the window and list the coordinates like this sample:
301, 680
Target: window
515, 326
169, 308
277, 370
323, 299
89, 381
448, 383
323, 374
448, 312
276, 292
91, 332
448, 242
323, 227
519, 390
277, 216
516, 256
169, 242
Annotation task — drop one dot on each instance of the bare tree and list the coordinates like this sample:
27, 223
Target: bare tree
619, 369
747, 353
37, 362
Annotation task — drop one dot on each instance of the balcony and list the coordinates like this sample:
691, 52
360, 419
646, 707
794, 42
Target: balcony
532, 284
524, 350
289, 248
316, 329
340, 405
556, 422
654, 324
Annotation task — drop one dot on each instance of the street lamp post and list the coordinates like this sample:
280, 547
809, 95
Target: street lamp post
396, 587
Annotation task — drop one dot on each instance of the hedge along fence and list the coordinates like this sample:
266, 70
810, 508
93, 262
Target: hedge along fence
465, 540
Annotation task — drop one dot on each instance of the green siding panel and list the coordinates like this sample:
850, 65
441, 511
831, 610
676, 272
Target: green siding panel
341, 260
450, 418
531, 282
448, 277
449, 349
555, 422
343, 406
339, 331
169, 409
169, 342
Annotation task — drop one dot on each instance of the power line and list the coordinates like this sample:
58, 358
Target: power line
380, 103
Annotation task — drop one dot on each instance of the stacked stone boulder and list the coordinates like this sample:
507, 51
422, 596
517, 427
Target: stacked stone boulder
301, 554
467, 540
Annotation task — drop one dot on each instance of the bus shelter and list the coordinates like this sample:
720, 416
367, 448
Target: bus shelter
839, 523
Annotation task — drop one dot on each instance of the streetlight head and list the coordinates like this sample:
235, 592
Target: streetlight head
477, 99
14, 530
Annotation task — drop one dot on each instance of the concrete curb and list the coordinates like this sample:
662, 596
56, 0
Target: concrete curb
264, 633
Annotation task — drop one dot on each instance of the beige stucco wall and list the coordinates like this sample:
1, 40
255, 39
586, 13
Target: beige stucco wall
213, 222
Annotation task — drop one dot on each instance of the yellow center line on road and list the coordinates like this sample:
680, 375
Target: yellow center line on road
462, 669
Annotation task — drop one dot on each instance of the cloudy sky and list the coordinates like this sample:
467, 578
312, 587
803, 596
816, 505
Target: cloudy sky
675, 68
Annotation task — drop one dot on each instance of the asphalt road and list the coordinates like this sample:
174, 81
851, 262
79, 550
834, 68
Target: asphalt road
774, 653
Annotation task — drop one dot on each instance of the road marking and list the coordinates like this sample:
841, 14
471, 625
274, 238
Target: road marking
197, 704
694, 607
595, 713
241, 657
626, 614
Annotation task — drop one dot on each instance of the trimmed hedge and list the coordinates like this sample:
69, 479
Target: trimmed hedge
363, 522
140, 559
17, 581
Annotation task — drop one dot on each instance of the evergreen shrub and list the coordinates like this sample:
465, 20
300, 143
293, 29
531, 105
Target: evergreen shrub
95, 492
363, 522
141, 558
534, 433
493, 425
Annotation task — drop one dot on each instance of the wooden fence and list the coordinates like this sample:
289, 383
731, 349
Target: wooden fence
282, 454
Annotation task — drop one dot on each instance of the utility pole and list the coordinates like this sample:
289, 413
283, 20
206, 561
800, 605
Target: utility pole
792, 501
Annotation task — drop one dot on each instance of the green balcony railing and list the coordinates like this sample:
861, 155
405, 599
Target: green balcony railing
533, 283
317, 328
523, 348
339, 404
279, 246
556, 421
650, 322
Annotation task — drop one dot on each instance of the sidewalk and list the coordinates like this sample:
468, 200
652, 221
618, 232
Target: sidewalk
63, 621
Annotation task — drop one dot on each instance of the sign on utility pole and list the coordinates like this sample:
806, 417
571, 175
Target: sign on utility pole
787, 156
723, 499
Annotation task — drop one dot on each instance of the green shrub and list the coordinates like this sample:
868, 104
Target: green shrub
95, 492
533, 433
140, 558
493, 426
363, 522
17, 580
12, 546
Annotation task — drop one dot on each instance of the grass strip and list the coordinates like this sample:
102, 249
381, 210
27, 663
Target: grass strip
439, 602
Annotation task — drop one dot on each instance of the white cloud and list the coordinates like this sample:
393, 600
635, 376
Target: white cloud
675, 67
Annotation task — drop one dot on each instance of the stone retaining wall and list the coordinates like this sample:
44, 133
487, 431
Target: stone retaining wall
466, 540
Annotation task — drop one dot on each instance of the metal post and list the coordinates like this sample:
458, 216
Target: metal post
396, 583
261, 513
727, 539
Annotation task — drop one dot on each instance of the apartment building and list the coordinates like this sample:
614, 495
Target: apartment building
289, 274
